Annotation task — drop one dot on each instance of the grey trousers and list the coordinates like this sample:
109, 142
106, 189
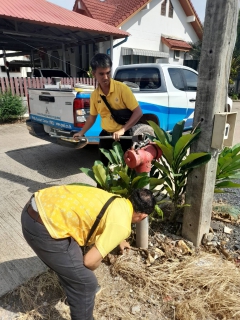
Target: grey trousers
65, 257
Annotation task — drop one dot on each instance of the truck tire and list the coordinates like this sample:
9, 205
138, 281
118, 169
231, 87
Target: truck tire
142, 129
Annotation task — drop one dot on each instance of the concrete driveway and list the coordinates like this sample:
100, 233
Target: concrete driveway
26, 165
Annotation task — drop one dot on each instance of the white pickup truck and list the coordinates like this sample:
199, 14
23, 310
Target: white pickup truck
165, 92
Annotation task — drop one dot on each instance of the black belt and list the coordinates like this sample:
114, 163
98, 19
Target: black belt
34, 214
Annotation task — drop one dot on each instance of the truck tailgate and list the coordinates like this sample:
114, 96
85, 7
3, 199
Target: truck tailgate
50, 107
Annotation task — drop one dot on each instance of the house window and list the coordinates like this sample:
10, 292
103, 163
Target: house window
11, 69
127, 59
134, 59
164, 8
170, 11
176, 54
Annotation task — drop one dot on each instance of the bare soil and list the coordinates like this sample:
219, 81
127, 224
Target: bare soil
171, 280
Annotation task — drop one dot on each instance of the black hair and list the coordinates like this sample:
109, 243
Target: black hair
142, 201
101, 60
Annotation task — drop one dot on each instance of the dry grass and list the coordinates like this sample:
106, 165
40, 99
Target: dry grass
203, 287
198, 287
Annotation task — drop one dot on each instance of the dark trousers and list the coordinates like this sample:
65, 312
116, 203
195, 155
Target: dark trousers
107, 144
65, 257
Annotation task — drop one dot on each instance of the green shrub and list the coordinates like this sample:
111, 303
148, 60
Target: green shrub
117, 177
228, 169
11, 107
235, 96
176, 162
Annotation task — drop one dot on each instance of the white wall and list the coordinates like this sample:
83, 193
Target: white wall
146, 28
23, 70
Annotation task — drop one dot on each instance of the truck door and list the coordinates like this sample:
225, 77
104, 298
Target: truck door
190, 79
178, 104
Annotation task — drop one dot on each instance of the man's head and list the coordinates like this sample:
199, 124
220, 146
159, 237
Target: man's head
143, 203
101, 65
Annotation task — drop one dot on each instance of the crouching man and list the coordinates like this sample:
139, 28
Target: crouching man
56, 223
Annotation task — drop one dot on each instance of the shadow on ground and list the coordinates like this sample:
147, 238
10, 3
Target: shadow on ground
40, 297
54, 161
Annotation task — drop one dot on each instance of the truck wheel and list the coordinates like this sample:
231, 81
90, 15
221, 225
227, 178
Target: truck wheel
142, 129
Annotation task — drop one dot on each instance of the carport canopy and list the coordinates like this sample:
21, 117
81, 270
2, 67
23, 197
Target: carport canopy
36, 24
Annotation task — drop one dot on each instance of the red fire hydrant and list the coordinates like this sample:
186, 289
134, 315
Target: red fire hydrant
141, 159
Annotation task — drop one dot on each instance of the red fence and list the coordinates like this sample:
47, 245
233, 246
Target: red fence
19, 86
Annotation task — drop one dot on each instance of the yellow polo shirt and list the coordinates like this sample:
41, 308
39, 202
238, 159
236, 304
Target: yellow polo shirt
70, 211
119, 97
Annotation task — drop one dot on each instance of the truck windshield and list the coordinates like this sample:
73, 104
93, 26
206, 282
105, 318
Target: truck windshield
146, 78
54, 73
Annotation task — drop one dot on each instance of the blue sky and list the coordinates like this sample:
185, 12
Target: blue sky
199, 6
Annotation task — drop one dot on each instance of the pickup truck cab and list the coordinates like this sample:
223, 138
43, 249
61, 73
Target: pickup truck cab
48, 73
165, 92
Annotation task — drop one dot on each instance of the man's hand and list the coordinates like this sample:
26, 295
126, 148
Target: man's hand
77, 135
116, 135
124, 245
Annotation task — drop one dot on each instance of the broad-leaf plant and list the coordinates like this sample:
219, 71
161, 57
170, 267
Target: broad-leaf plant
228, 169
176, 162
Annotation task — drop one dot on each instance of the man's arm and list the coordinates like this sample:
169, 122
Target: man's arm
88, 124
92, 259
136, 115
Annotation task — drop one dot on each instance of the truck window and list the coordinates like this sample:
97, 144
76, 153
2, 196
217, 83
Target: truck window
176, 77
54, 73
145, 78
36, 73
191, 79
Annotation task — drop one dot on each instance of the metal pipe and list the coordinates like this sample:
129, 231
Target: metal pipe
117, 44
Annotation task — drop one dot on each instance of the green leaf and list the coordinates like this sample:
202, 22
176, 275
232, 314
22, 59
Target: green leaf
227, 184
193, 156
124, 177
118, 190
218, 190
167, 152
114, 156
182, 144
197, 162
158, 132
119, 151
100, 175
154, 182
169, 191
161, 167
236, 149
140, 182
177, 132
88, 172
107, 154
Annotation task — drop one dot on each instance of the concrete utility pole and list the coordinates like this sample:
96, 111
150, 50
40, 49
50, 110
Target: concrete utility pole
219, 38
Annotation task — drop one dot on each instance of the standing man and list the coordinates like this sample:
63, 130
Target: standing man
56, 223
119, 96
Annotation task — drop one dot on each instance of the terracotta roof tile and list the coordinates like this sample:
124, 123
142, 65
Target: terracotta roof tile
113, 12
43, 12
174, 44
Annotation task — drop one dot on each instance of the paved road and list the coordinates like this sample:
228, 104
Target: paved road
236, 108
26, 165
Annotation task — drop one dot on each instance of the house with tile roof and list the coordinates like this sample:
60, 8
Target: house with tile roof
160, 30
48, 34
